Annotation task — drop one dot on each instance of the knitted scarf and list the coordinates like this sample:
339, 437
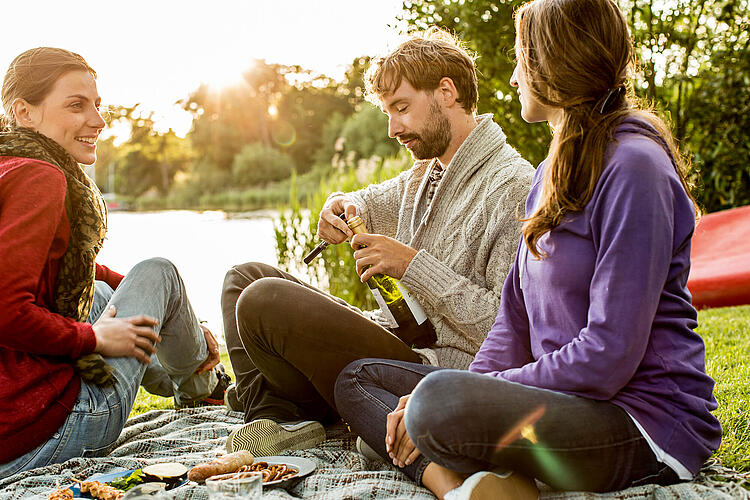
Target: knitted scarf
84, 205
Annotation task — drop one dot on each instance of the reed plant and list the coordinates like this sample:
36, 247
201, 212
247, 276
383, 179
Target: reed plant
296, 229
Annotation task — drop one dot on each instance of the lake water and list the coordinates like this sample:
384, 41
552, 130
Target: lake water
203, 246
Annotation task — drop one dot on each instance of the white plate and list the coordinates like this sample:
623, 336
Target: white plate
304, 465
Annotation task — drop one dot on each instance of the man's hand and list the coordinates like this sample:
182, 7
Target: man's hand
398, 444
213, 352
330, 227
132, 337
381, 255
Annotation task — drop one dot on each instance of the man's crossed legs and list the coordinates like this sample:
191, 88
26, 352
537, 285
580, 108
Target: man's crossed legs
287, 342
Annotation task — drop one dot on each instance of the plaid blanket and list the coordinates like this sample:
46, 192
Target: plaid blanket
197, 435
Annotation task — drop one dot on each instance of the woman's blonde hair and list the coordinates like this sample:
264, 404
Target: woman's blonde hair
32, 75
577, 56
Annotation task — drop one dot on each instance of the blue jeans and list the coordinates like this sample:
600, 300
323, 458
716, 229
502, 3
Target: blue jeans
154, 288
469, 422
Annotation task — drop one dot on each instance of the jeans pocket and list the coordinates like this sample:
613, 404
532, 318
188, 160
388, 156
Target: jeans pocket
99, 429
98, 452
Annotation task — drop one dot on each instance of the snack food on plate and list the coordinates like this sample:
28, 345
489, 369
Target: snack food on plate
60, 494
100, 491
273, 472
221, 465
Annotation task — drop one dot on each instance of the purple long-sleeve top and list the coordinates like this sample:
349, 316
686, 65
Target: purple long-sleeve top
607, 315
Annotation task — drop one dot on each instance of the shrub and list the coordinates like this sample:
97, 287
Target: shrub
258, 164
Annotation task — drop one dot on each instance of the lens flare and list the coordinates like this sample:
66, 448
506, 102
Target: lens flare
528, 433
283, 133
524, 426
555, 471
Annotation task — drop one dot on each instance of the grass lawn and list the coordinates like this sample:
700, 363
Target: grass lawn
726, 332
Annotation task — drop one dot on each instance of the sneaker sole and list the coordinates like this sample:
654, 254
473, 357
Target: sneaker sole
264, 437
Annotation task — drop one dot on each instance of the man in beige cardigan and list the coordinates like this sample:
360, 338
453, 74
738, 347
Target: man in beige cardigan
447, 228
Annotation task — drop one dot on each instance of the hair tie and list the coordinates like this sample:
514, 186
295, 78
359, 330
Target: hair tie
612, 92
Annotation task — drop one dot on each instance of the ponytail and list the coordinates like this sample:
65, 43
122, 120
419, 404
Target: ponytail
576, 56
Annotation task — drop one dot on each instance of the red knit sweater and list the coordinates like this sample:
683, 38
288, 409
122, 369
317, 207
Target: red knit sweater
38, 386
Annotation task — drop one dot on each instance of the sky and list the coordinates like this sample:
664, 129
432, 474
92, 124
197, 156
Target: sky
156, 52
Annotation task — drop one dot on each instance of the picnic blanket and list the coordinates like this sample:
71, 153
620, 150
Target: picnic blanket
197, 435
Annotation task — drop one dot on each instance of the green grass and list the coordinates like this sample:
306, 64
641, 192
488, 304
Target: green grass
726, 332
146, 402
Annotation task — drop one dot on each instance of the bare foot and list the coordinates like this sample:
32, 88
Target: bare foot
440, 480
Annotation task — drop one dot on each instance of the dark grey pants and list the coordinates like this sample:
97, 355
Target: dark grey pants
288, 341
469, 422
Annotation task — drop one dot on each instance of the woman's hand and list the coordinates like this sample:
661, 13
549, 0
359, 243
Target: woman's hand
125, 337
398, 444
213, 352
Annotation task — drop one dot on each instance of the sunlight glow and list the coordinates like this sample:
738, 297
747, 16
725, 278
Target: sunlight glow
160, 52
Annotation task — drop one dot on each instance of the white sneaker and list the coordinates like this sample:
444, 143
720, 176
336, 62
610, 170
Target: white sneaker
264, 437
490, 486
365, 449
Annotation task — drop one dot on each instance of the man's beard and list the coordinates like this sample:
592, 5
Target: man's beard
433, 140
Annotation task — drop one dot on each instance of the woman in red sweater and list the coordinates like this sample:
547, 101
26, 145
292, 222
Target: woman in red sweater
64, 318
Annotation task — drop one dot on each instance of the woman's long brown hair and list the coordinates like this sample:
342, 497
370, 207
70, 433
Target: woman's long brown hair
574, 55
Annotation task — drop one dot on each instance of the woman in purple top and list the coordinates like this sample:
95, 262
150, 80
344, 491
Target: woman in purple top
592, 377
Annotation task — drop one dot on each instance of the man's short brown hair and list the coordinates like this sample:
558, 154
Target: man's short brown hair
423, 60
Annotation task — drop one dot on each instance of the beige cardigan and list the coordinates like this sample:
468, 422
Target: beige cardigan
467, 239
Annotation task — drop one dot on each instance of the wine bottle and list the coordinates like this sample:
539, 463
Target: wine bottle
397, 304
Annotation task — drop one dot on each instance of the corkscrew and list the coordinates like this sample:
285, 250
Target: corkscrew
320, 246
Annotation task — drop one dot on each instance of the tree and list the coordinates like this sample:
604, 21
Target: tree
354, 81
259, 164
719, 130
303, 111
486, 27
365, 135
283, 107
148, 159
692, 67
225, 120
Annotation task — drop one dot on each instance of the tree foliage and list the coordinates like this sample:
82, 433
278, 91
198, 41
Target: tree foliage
302, 113
486, 27
257, 164
148, 160
720, 130
281, 107
365, 134
692, 65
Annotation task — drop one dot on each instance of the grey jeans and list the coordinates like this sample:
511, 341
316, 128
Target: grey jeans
468, 422
153, 287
